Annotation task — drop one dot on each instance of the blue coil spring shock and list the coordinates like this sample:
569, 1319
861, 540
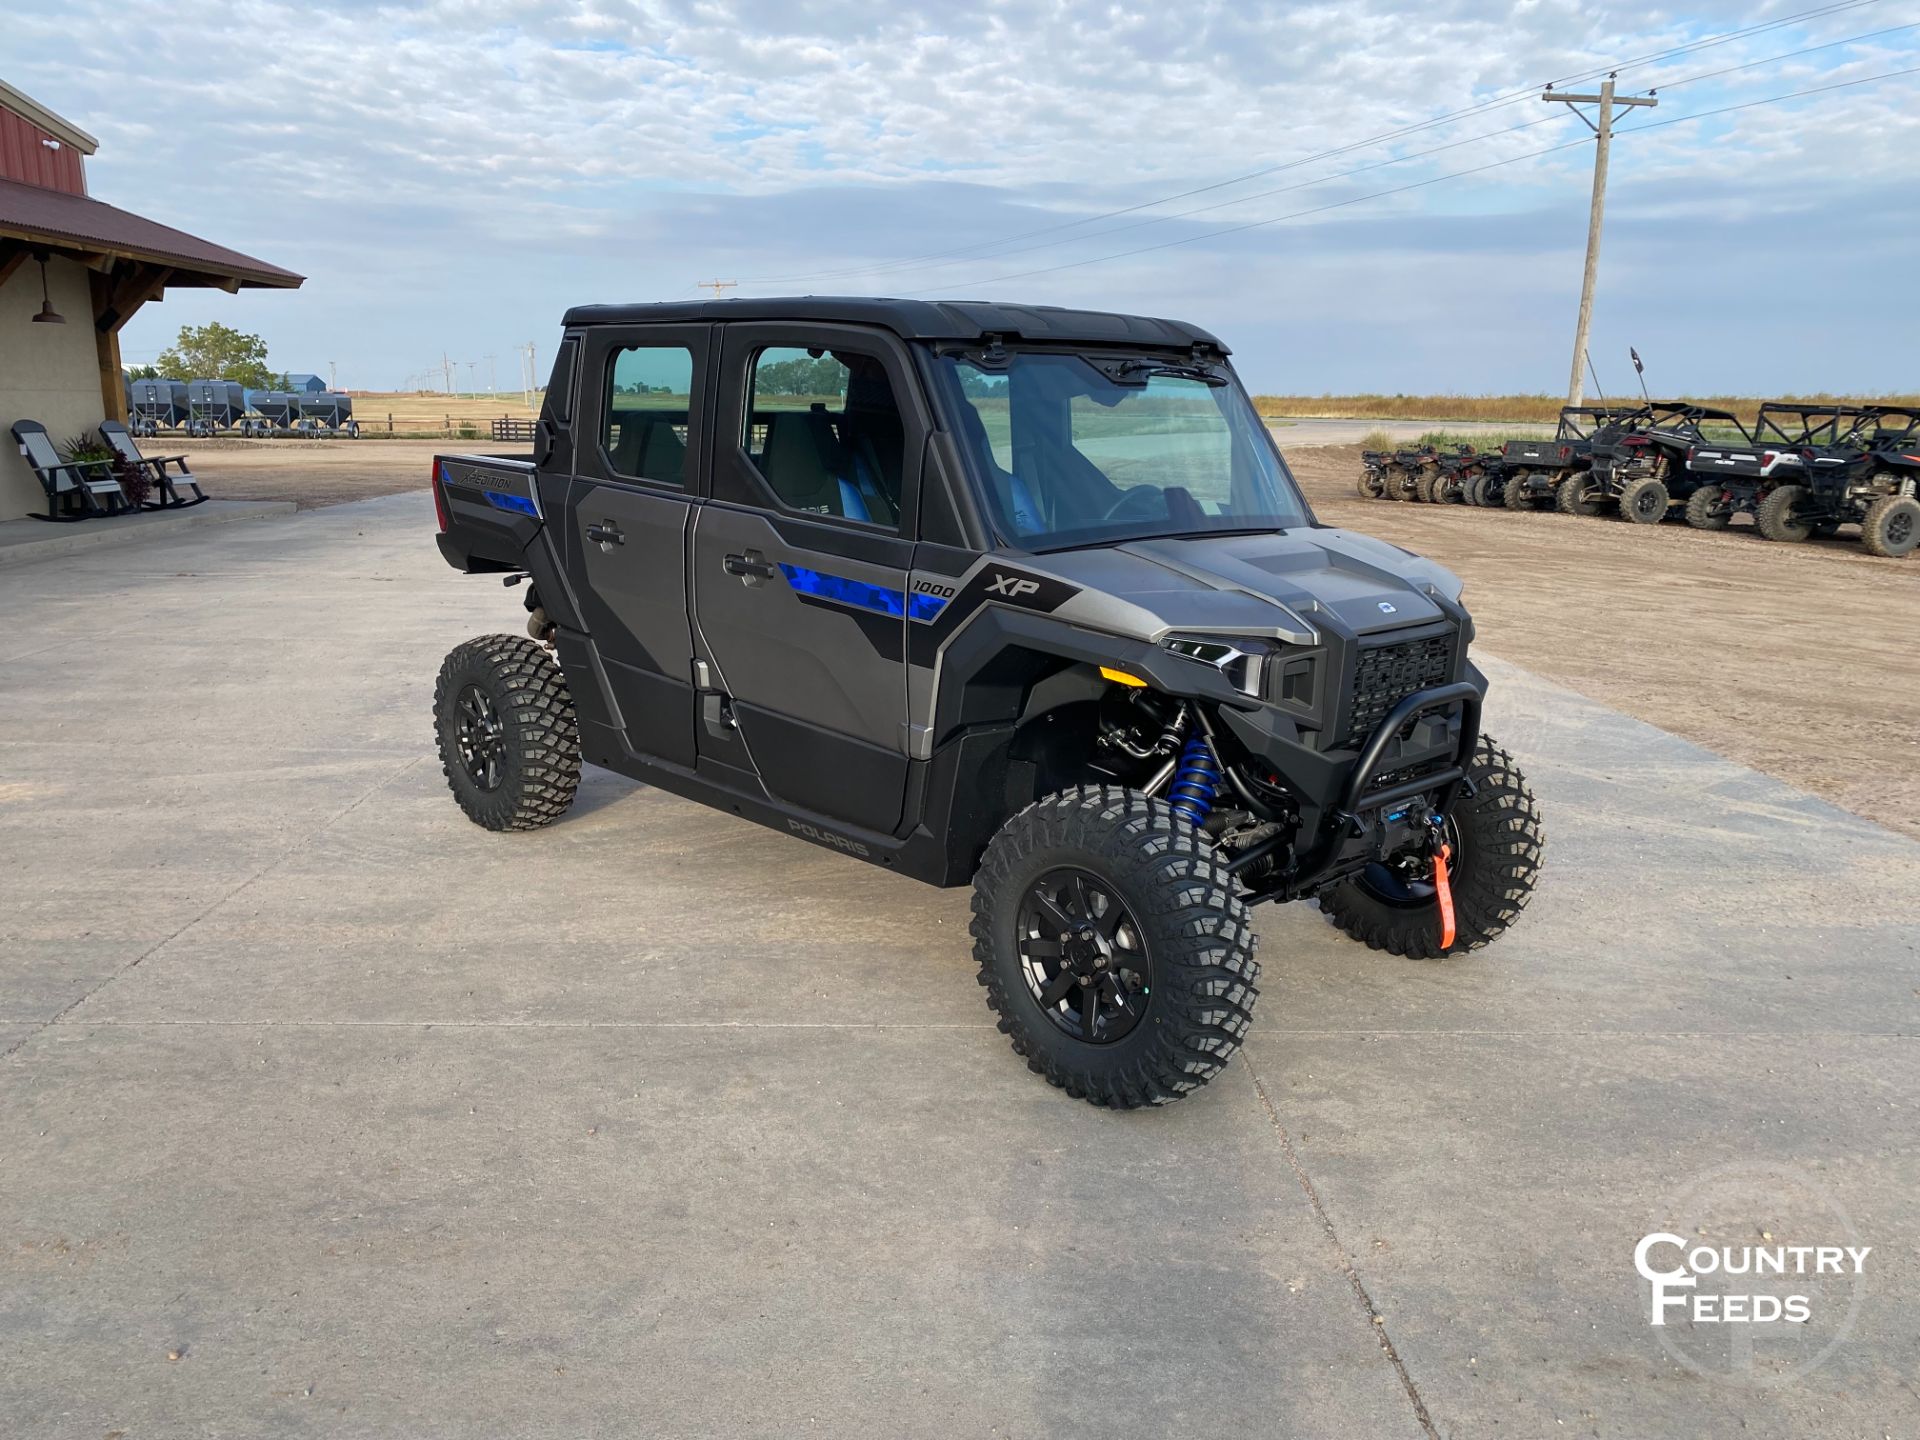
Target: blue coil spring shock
1194, 782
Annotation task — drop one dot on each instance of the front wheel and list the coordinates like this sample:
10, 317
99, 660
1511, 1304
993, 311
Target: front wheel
1496, 840
1113, 947
1645, 501
1515, 496
509, 742
1891, 527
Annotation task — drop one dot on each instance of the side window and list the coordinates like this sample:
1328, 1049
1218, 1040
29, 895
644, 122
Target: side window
649, 388
824, 429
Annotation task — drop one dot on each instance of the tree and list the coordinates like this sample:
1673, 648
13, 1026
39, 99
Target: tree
216, 352
144, 372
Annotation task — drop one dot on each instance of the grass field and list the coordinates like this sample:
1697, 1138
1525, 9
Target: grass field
430, 413
1512, 408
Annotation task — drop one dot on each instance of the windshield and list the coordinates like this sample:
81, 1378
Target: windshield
1092, 449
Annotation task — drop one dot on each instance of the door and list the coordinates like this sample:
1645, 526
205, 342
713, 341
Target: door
638, 453
800, 566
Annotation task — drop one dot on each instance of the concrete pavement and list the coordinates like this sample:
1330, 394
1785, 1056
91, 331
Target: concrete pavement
655, 1122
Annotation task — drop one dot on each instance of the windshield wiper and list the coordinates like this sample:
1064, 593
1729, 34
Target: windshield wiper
1125, 372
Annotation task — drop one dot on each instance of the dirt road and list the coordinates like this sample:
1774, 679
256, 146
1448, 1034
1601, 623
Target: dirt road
310, 473
1800, 660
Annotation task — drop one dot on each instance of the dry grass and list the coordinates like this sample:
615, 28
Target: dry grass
1510, 408
429, 413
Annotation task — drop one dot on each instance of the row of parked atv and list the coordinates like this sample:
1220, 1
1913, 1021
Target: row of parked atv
1799, 470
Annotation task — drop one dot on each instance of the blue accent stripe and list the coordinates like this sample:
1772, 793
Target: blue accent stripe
926, 607
881, 599
502, 501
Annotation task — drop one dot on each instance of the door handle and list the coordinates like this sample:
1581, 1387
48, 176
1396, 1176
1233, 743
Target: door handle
752, 567
606, 535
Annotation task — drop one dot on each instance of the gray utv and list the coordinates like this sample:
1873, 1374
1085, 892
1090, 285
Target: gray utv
1012, 596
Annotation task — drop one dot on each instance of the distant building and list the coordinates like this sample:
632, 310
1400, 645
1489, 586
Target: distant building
313, 384
72, 272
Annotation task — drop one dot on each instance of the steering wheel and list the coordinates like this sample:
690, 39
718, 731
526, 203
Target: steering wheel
1150, 492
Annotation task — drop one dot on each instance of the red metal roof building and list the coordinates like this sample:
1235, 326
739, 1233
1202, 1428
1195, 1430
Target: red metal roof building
94, 266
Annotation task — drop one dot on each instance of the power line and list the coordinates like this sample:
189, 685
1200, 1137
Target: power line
1434, 180
1481, 107
1423, 154
1267, 194
1790, 55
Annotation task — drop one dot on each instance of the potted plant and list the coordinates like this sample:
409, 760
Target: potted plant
135, 483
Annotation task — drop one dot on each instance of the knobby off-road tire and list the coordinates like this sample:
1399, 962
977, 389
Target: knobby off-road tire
1645, 501
1399, 483
1569, 498
1707, 510
1777, 518
1497, 841
1182, 911
1370, 487
1475, 491
1891, 526
509, 743
1515, 496
1426, 485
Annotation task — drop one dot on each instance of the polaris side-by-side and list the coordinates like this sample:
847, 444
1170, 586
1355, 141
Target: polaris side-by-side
1015, 596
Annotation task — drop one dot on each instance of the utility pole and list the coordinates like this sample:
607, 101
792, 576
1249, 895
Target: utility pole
493, 379
333, 379
1603, 142
716, 286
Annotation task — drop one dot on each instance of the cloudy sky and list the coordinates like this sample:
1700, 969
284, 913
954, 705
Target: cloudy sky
451, 174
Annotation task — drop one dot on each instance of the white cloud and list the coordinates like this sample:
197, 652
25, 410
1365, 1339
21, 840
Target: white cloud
451, 173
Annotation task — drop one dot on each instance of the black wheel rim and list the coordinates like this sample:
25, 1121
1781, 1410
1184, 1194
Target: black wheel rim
1645, 503
1083, 956
482, 737
1393, 885
1899, 529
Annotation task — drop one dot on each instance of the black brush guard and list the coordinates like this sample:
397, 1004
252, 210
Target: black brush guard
1358, 800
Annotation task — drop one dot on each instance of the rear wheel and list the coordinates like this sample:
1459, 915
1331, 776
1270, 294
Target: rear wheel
1474, 492
1426, 484
509, 743
1496, 839
1645, 501
1707, 509
1514, 496
1370, 486
1891, 527
1113, 947
1780, 517
1570, 497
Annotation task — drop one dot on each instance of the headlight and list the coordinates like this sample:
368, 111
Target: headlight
1241, 659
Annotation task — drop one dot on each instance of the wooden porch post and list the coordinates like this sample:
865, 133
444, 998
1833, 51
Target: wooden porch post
117, 297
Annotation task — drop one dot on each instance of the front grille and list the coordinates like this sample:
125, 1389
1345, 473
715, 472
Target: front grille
1386, 674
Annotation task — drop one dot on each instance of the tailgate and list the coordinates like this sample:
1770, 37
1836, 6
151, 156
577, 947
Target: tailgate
488, 508
1536, 452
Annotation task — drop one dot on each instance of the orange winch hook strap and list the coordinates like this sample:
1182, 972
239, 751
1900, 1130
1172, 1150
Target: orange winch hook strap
1443, 890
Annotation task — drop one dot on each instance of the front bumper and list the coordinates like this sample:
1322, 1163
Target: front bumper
1345, 816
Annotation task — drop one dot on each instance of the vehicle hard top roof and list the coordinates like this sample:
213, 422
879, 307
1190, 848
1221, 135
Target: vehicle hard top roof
1688, 410
916, 319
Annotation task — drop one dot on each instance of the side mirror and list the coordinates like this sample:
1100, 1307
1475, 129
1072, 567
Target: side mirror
544, 437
